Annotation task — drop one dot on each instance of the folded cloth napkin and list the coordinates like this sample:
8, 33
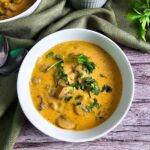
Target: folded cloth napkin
49, 17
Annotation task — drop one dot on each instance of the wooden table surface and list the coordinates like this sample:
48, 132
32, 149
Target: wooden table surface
133, 133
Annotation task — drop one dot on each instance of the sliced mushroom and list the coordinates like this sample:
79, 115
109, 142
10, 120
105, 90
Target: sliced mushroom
80, 110
51, 90
36, 80
54, 105
7, 12
41, 105
65, 92
62, 83
65, 123
9, 6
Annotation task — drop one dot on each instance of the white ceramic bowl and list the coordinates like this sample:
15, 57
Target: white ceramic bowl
66, 35
78, 4
27, 12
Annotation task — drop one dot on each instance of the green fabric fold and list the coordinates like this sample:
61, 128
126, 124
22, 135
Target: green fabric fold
49, 17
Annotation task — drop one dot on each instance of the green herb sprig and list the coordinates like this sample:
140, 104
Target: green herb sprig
106, 88
78, 99
140, 14
60, 74
93, 104
49, 54
88, 66
67, 99
89, 84
49, 67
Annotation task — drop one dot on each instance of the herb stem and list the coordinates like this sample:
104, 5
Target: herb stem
53, 65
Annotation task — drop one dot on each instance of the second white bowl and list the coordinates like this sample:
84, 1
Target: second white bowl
27, 12
78, 4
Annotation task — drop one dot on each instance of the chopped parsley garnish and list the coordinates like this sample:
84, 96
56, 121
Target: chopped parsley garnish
87, 65
60, 74
78, 99
79, 75
75, 85
58, 57
71, 91
89, 84
53, 65
78, 103
49, 54
93, 104
106, 88
67, 99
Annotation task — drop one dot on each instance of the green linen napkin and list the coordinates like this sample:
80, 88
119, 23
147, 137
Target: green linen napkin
52, 16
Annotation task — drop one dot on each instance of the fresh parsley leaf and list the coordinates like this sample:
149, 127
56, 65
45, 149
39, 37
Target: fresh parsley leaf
140, 15
88, 84
79, 75
67, 99
93, 104
91, 85
53, 65
133, 16
71, 91
78, 99
49, 54
78, 103
87, 65
60, 74
106, 88
75, 85
58, 57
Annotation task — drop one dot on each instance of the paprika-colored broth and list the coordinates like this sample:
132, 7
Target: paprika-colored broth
76, 85
11, 8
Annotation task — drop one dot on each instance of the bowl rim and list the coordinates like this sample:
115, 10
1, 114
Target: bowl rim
122, 115
25, 13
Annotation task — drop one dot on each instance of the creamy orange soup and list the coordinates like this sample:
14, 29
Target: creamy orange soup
11, 8
76, 85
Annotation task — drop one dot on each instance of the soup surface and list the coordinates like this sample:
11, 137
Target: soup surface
11, 8
76, 85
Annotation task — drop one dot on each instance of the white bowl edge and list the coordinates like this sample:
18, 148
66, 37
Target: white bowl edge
35, 118
25, 13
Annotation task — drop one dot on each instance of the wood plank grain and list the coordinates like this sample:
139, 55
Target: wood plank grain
96, 145
133, 133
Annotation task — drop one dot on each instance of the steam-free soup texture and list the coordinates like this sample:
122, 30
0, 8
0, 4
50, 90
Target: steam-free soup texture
76, 85
11, 8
